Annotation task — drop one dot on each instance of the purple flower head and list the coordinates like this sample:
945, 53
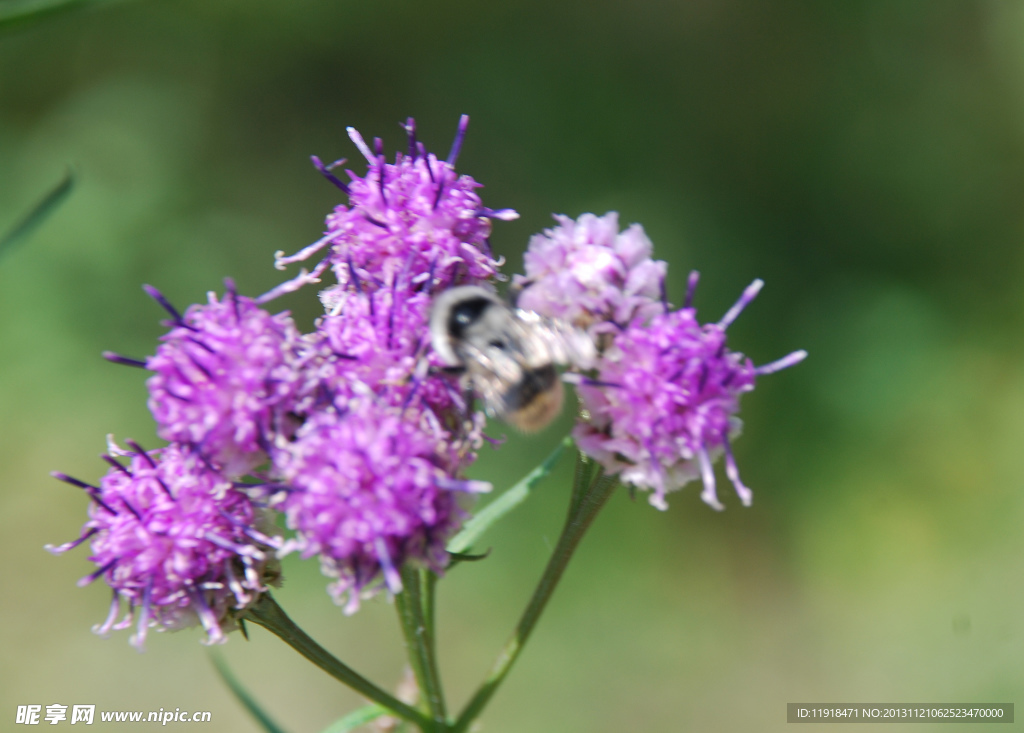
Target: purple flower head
176, 543
377, 343
664, 400
589, 273
374, 338
415, 222
369, 490
227, 375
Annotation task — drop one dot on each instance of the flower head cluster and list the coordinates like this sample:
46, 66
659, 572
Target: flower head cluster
369, 489
413, 223
225, 379
590, 274
664, 393
345, 430
353, 432
378, 341
176, 542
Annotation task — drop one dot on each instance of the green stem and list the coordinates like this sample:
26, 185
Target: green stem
428, 580
581, 515
272, 617
583, 479
429, 584
418, 643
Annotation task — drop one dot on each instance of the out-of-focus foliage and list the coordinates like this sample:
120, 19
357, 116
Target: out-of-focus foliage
17, 13
34, 217
865, 158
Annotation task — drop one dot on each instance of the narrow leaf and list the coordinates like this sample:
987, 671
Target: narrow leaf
243, 696
14, 13
17, 12
39, 213
356, 718
468, 557
505, 503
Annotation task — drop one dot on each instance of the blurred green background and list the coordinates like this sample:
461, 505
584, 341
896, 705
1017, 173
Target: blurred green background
865, 158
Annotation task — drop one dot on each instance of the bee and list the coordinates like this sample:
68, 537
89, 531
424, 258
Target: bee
507, 356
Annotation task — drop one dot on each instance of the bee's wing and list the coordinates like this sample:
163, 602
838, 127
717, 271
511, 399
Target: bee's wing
493, 373
498, 369
552, 341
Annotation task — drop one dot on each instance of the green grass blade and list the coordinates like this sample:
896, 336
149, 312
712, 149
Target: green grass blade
243, 696
505, 503
356, 718
14, 13
39, 213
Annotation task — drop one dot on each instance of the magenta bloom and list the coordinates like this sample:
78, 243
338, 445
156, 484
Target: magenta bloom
377, 344
414, 222
176, 542
226, 377
370, 490
369, 475
590, 274
377, 340
664, 402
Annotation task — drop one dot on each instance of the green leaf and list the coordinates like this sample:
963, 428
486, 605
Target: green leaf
39, 213
468, 557
15, 13
18, 12
247, 700
356, 718
505, 503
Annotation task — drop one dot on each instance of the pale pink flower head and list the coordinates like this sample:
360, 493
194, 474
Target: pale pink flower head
587, 272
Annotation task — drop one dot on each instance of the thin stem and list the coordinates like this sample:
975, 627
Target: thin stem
429, 580
582, 479
272, 617
512, 498
419, 645
581, 515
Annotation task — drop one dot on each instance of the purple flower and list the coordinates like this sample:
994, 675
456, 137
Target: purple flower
377, 343
590, 274
372, 338
415, 222
369, 476
176, 542
227, 376
369, 490
664, 400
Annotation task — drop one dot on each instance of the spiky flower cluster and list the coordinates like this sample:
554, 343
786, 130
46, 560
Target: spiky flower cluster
227, 375
663, 396
176, 542
352, 432
371, 489
411, 220
344, 430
